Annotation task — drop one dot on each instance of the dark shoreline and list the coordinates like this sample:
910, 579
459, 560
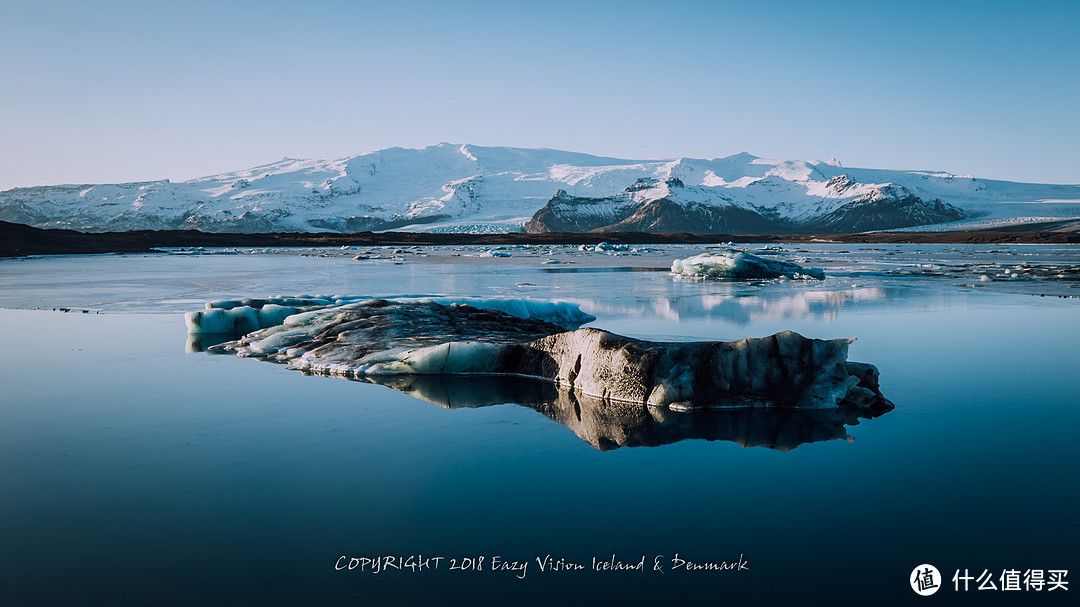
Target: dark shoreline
18, 240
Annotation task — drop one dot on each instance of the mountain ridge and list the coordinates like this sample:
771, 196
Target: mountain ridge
476, 189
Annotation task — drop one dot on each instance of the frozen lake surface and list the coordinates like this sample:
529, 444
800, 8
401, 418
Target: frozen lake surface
137, 472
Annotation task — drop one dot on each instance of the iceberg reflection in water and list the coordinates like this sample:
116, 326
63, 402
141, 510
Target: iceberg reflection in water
610, 390
607, 424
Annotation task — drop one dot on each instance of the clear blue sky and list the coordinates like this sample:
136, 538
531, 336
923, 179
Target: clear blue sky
108, 91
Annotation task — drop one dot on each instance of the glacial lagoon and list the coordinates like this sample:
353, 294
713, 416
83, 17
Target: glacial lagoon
139, 470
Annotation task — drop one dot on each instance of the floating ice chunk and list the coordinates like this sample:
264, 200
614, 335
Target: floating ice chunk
603, 247
606, 247
496, 254
738, 265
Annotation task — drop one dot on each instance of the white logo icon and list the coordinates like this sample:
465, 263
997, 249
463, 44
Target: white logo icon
925, 580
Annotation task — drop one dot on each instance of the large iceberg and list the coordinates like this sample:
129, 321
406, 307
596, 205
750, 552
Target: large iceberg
388, 338
741, 265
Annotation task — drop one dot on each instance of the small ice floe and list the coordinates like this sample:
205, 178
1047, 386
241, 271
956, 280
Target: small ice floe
734, 265
496, 253
604, 247
770, 249
429, 336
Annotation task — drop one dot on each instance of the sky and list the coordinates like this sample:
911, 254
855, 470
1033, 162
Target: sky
108, 91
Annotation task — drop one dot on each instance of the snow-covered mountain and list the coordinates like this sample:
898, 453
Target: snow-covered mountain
465, 188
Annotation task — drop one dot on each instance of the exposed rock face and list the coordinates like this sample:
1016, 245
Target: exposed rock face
672, 207
566, 213
666, 215
887, 208
649, 205
382, 338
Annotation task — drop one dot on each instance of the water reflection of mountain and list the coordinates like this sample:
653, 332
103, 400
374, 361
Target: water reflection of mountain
738, 307
608, 425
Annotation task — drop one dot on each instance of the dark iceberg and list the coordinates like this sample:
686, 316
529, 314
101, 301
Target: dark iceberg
386, 338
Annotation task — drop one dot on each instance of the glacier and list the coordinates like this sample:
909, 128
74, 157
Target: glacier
466, 188
387, 338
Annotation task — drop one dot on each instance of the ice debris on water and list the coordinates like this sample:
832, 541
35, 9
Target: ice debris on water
605, 247
735, 265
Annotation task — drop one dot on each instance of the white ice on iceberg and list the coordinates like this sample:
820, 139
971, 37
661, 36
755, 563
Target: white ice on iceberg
563, 313
236, 320
242, 316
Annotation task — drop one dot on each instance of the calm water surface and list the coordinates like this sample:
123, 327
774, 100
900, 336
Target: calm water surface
134, 472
